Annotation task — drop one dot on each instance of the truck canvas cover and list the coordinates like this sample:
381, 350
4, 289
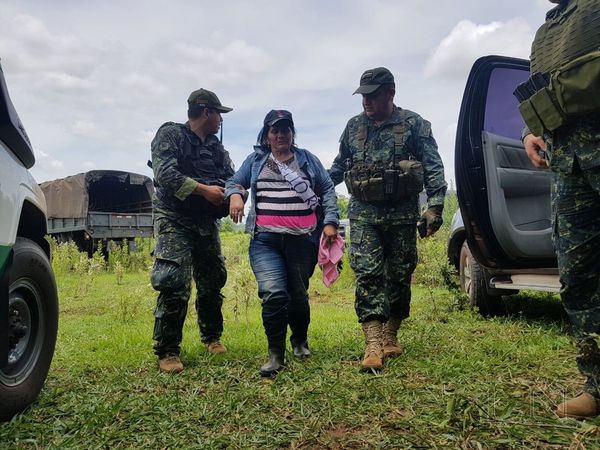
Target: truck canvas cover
98, 190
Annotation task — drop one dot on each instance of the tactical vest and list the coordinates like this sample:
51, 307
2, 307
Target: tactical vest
565, 50
569, 32
210, 165
394, 181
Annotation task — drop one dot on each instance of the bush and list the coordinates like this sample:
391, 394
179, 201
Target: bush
433, 268
122, 259
65, 256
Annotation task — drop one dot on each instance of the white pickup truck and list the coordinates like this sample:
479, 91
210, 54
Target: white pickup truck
28, 296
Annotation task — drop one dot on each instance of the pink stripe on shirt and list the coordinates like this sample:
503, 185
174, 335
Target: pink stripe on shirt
286, 221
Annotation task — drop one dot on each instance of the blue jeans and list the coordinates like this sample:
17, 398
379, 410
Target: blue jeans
283, 265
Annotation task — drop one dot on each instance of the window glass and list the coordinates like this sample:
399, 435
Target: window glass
502, 116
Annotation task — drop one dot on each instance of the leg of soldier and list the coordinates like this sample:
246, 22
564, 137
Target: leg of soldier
372, 308
400, 244
400, 256
366, 259
576, 202
210, 276
269, 267
301, 257
170, 276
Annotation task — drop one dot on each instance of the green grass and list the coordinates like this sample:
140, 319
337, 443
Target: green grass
462, 382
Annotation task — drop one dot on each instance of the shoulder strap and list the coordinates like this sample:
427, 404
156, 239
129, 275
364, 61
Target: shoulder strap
361, 141
297, 183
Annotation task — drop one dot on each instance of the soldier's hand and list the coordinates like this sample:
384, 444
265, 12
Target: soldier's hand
533, 145
214, 194
432, 216
236, 208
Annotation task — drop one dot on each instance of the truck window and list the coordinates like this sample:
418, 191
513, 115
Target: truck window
502, 115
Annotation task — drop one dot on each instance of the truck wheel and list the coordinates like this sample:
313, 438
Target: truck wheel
33, 323
472, 281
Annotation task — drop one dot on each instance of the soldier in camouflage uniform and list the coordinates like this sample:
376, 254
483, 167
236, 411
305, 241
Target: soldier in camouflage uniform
386, 154
190, 168
571, 34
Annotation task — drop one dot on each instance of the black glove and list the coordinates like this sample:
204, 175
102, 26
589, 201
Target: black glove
432, 218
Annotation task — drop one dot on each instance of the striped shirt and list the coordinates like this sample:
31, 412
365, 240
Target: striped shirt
279, 209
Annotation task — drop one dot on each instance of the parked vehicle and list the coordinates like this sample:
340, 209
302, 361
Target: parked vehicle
501, 236
28, 296
98, 207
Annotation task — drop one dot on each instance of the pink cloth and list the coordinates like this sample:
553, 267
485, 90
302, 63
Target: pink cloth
329, 257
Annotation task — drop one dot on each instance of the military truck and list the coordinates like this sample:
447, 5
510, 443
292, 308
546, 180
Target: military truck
98, 207
28, 296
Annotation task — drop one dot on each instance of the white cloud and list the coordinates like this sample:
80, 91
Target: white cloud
47, 163
145, 137
61, 81
88, 165
85, 128
468, 41
214, 65
31, 49
144, 85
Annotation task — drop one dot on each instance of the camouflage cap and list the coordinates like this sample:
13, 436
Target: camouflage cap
372, 79
276, 115
207, 99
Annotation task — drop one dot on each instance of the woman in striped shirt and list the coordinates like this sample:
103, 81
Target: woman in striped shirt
293, 202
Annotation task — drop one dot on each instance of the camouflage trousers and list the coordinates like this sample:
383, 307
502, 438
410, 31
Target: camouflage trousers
383, 257
181, 254
576, 236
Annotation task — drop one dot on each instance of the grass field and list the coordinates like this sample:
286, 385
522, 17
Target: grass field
463, 381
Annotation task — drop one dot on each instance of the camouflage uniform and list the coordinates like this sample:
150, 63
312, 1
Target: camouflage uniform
187, 233
574, 157
383, 251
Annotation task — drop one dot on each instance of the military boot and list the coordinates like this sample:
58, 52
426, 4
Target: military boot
170, 364
216, 347
583, 406
391, 348
373, 359
276, 360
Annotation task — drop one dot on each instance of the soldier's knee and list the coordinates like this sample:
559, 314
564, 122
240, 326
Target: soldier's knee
167, 276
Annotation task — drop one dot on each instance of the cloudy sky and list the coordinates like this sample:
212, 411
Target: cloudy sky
92, 81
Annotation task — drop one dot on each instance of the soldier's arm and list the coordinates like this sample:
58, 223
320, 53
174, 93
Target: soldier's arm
339, 163
164, 164
433, 168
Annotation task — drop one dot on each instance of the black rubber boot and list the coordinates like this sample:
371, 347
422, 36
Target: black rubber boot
276, 361
301, 349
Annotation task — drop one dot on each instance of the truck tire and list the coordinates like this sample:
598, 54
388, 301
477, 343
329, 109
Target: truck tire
33, 324
472, 282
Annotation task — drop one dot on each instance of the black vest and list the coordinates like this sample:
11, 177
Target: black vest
207, 163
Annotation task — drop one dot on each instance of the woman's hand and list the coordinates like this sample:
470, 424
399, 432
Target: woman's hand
236, 208
330, 234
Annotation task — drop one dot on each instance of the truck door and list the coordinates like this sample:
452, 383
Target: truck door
504, 200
